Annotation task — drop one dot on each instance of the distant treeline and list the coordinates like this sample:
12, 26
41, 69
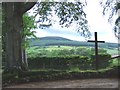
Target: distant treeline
59, 41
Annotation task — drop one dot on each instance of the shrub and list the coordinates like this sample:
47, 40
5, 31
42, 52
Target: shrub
61, 62
68, 62
103, 60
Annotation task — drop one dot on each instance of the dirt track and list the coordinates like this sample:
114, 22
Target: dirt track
86, 83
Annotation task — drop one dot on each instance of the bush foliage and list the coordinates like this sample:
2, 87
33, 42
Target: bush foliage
62, 51
67, 62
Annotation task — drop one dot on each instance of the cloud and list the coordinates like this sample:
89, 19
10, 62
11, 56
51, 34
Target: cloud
66, 33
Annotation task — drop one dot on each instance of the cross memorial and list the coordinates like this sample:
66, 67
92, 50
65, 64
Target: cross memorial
96, 48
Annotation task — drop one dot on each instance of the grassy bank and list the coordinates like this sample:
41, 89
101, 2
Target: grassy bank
50, 75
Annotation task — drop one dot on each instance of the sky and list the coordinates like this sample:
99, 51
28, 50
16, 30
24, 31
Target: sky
97, 23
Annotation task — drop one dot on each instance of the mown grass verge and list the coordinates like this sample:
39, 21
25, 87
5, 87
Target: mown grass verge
50, 75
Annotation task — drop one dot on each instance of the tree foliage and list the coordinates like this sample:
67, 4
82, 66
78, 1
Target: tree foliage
111, 7
28, 25
67, 12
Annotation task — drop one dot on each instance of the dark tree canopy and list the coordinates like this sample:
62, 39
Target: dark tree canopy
111, 8
67, 12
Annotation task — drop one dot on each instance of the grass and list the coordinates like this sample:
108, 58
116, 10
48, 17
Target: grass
48, 75
74, 70
50, 48
37, 48
112, 51
114, 62
58, 48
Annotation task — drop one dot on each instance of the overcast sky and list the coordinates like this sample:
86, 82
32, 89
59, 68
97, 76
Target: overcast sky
97, 22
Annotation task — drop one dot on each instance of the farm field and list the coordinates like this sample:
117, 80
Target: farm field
112, 51
56, 51
53, 45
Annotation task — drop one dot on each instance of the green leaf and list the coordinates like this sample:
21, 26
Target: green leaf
28, 25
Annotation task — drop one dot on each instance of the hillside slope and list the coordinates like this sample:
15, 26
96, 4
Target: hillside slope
49, 41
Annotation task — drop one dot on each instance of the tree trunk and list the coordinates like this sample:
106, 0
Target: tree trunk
13, 37
13, 26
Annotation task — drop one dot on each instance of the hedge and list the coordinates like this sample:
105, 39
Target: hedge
67, 62
103, 60
61, 62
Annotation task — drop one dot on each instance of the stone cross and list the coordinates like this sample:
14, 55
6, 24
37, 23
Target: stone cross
96, 48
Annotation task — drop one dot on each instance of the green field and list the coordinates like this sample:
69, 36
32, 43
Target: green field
52, 46
51, 51
113, 51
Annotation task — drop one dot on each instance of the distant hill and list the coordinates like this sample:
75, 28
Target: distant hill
49, 41
55, 38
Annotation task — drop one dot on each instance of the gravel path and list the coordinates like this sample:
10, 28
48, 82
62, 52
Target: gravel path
85, 83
